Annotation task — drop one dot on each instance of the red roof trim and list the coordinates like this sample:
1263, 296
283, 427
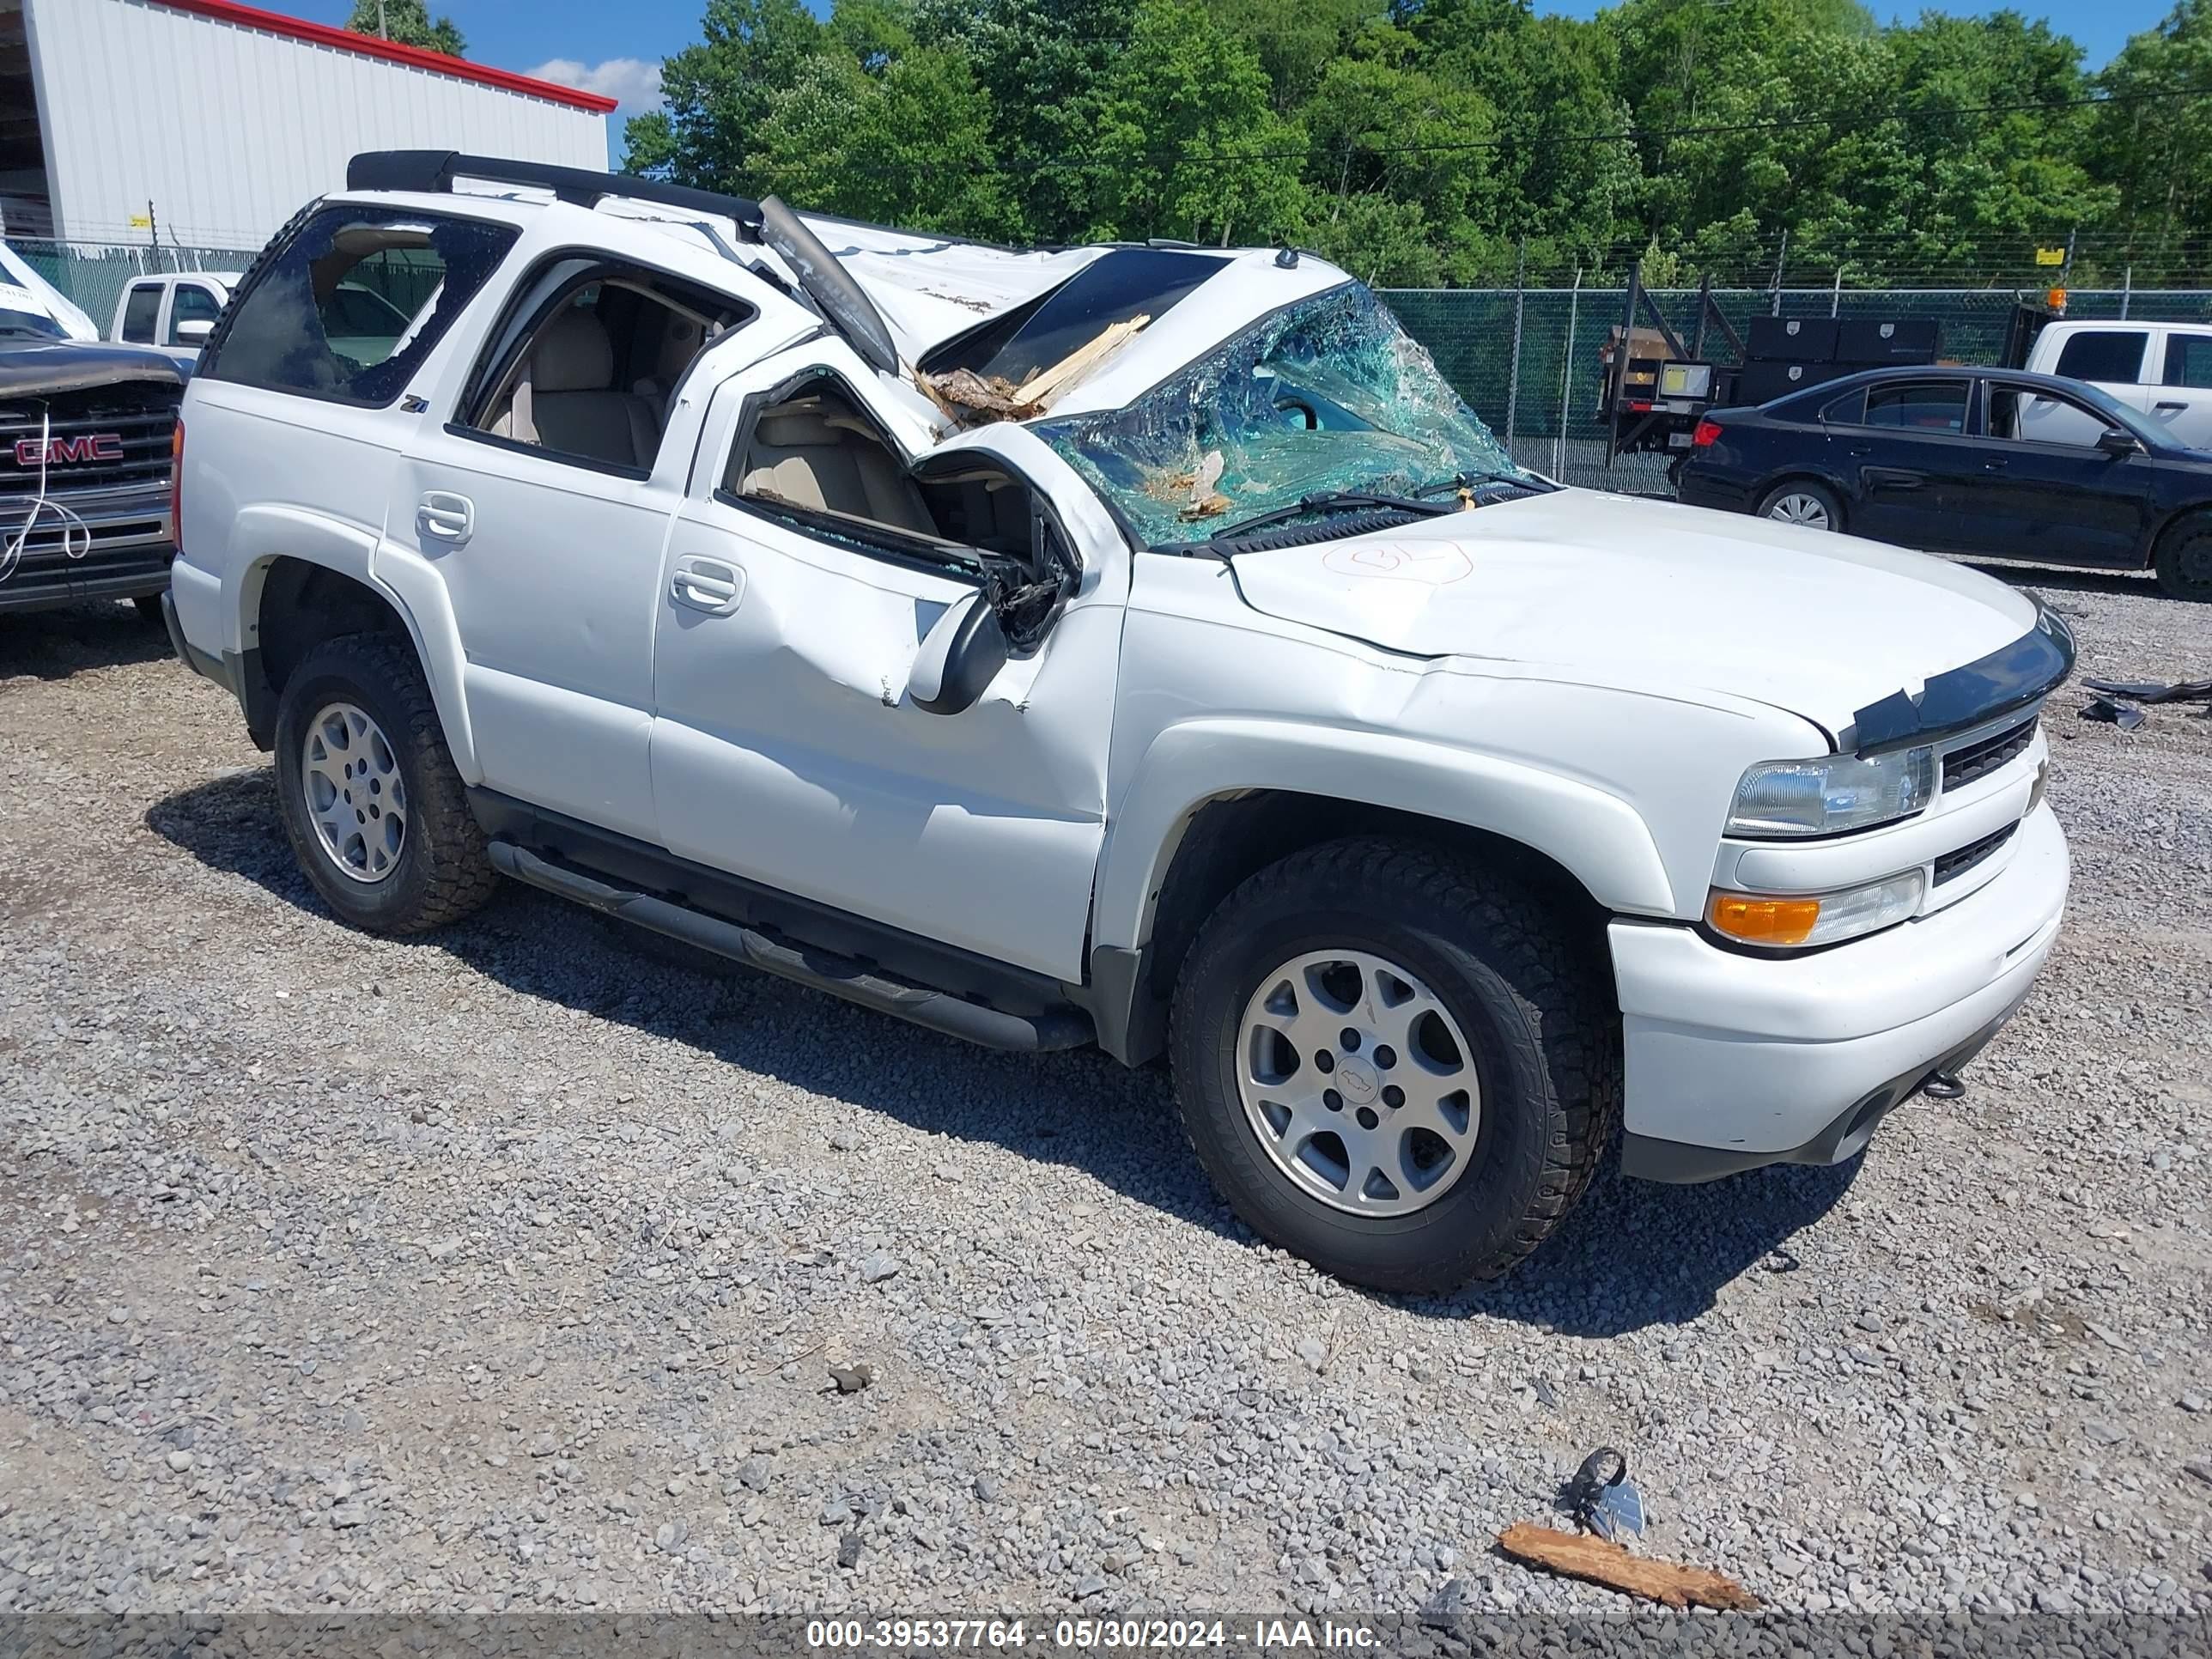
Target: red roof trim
369, 45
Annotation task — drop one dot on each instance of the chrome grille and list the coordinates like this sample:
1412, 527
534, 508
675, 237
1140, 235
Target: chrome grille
1962, 765
141, 447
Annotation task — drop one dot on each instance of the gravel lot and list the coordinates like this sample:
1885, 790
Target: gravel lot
505, 1270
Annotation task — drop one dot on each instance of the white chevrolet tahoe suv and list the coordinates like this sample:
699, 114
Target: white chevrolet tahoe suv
1136, 645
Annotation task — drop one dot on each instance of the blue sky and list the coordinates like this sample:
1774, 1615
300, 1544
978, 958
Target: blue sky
616, 50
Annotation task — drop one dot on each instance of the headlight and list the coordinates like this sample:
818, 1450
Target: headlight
1795, 921
1827, 797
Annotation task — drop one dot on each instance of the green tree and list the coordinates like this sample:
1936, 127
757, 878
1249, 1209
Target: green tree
1186, 142
407, 21
717, 95
2152, 150
908, 144
1990, 180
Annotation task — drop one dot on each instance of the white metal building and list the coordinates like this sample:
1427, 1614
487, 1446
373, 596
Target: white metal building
219, 120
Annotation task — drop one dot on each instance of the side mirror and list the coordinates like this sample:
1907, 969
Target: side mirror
2118, 443
194, 331
959, 658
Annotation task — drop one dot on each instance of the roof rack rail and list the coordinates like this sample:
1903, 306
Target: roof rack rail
434, 170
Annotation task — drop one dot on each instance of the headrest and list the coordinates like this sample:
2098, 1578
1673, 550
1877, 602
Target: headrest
795, 431
572, 355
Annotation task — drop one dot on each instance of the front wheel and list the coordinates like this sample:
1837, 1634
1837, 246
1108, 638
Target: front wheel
2183, 563
375, 812
1801, 502
1394, 1063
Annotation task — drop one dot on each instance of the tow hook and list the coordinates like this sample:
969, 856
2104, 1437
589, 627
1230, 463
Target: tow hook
1942, 1086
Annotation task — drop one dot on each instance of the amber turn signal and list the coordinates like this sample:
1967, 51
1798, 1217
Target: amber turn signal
1757, 921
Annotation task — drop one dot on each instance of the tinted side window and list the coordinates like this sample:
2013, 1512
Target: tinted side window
1850, 410
2104, 356
351, 305
191, 303
2034, 414
2188, 360
1919, 405
139, 312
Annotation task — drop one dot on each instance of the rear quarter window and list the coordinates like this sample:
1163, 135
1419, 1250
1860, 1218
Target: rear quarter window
140, 312
348, 307
2115, 356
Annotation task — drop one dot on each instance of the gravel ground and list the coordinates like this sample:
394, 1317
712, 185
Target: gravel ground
507, 1270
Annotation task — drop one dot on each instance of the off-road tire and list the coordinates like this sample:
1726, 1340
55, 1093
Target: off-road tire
1532, 1001
1819, 492
442, 873
2184, 561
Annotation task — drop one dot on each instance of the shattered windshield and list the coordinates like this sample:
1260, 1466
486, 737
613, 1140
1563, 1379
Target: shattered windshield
1328, 394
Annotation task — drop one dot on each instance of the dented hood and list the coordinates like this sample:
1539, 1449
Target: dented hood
1650, 593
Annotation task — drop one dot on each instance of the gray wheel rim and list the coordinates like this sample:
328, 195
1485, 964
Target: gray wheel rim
355, 797
1358, 1083
1798, 507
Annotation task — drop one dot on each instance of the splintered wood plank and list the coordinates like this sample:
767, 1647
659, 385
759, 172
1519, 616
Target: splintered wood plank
1592, 1559
1046, 384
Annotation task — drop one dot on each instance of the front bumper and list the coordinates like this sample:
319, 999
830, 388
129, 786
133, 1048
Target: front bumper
1735, 1061
103, 573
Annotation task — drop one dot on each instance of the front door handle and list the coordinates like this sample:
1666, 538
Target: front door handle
714, 586
2169, 407
1997, 465
446, 516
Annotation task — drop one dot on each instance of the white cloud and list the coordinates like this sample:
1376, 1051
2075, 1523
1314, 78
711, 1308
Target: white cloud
632, 81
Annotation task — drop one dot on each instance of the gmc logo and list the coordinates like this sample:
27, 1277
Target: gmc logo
70, 452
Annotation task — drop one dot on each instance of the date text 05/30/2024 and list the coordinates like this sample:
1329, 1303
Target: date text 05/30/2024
1088, 1635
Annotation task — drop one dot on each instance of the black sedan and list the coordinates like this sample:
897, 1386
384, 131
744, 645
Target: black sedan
1967, 460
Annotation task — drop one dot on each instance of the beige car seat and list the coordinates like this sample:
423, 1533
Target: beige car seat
565, 398
812, 457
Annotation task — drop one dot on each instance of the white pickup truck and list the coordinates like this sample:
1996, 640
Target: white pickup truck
2164, 369
1133, 646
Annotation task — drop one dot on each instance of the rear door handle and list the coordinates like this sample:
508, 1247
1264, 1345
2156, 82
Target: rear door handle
714, 586
1997, 465
2169, 407
1862, 449
446, 516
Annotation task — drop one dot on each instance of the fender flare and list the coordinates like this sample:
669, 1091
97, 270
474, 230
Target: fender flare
263, 534
1597, 837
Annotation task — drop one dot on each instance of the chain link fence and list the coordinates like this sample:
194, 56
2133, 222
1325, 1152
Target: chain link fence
94, 276
1526, 360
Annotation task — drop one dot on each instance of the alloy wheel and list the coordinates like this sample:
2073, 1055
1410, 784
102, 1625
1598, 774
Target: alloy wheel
1798, 507
355, 793
1358, 1083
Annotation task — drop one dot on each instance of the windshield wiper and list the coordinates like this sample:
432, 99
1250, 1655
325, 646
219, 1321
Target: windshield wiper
1329, 501
1470, 480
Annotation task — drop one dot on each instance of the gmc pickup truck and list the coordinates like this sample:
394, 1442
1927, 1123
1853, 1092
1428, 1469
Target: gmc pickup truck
1133, 646
86, 431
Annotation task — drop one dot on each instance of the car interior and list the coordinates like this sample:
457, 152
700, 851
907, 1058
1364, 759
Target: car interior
818, 451
816, 459
594, 378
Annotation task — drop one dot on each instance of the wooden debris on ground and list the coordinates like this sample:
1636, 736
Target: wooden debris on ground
1600, 1562
969, 397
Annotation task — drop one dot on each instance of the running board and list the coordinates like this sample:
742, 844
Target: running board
841, 976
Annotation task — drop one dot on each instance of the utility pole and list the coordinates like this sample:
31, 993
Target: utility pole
383, 31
